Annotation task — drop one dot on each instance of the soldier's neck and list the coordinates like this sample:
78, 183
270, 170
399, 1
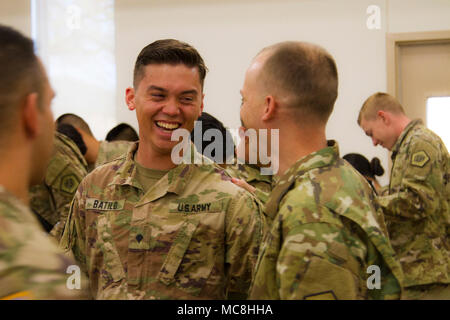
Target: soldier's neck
148, 158
298, 143
15, 173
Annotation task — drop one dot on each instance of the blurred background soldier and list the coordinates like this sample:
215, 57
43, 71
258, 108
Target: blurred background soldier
122, 132
97, 152
31, 265
416, 207
368, 169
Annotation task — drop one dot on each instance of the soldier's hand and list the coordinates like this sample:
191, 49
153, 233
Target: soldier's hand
244, 185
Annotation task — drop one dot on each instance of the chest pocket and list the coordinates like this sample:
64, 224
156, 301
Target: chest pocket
193, 253
113, 270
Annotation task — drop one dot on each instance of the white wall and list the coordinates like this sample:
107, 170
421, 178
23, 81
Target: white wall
16, 14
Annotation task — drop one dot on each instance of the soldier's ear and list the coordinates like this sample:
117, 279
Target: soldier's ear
383, 116
30, 115
270, 108
130, 98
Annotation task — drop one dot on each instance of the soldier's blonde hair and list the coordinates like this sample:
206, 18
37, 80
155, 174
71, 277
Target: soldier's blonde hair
376, 102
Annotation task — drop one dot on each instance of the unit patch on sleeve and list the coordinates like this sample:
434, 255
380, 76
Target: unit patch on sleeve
69, 183
419, 159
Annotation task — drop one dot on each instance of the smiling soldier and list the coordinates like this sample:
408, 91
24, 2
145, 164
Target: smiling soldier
145, 228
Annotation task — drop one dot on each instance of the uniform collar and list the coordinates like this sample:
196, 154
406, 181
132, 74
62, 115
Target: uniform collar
12, 201
403, 135
254, 174
318, 159
175, 181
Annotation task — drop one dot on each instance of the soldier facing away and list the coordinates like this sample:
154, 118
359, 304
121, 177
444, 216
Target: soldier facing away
327, 232
97, 152
416, 207
31, 264
143, 227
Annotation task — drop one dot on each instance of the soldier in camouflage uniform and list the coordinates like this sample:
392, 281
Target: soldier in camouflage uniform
416, 205
97, 152
328, 234
31, 265
51, 199
144, 227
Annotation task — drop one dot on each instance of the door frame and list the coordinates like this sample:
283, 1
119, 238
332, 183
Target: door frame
393, 43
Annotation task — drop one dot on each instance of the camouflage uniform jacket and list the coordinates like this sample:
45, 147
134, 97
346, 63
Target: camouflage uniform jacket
252, 175
31, 264
417, 206
327, 231
110, 150
193, 235
67, 167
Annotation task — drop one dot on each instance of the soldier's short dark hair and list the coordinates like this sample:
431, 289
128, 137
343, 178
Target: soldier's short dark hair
307, 73
168, 51
72, 133
210, 122
75, 121
362, 164
20, 74
122, 131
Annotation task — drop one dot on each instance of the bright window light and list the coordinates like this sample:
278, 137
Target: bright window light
75, 40
438, 115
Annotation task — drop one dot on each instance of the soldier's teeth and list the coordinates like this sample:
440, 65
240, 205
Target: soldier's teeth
169, 126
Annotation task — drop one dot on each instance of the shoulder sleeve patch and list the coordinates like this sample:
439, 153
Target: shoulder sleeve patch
69, 183
419, 159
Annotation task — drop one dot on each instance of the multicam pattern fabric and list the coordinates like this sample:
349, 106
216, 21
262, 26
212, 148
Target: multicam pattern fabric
51, 199
417, 206
327, 232
31, 264
110, 150
252, 175
193, 235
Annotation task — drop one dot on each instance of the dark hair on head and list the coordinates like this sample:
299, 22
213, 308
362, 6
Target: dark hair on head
72, 133
210, 122
75, 121
20, 74
366, 168
122, 131
306, 74
376, 167
168, 51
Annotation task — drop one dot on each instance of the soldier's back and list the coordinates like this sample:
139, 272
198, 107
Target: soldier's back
51, 199
326, 234
31, 265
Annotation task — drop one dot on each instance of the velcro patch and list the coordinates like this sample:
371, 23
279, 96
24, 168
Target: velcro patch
69, 183
191, 208
327, 295
419, 159
102, 205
